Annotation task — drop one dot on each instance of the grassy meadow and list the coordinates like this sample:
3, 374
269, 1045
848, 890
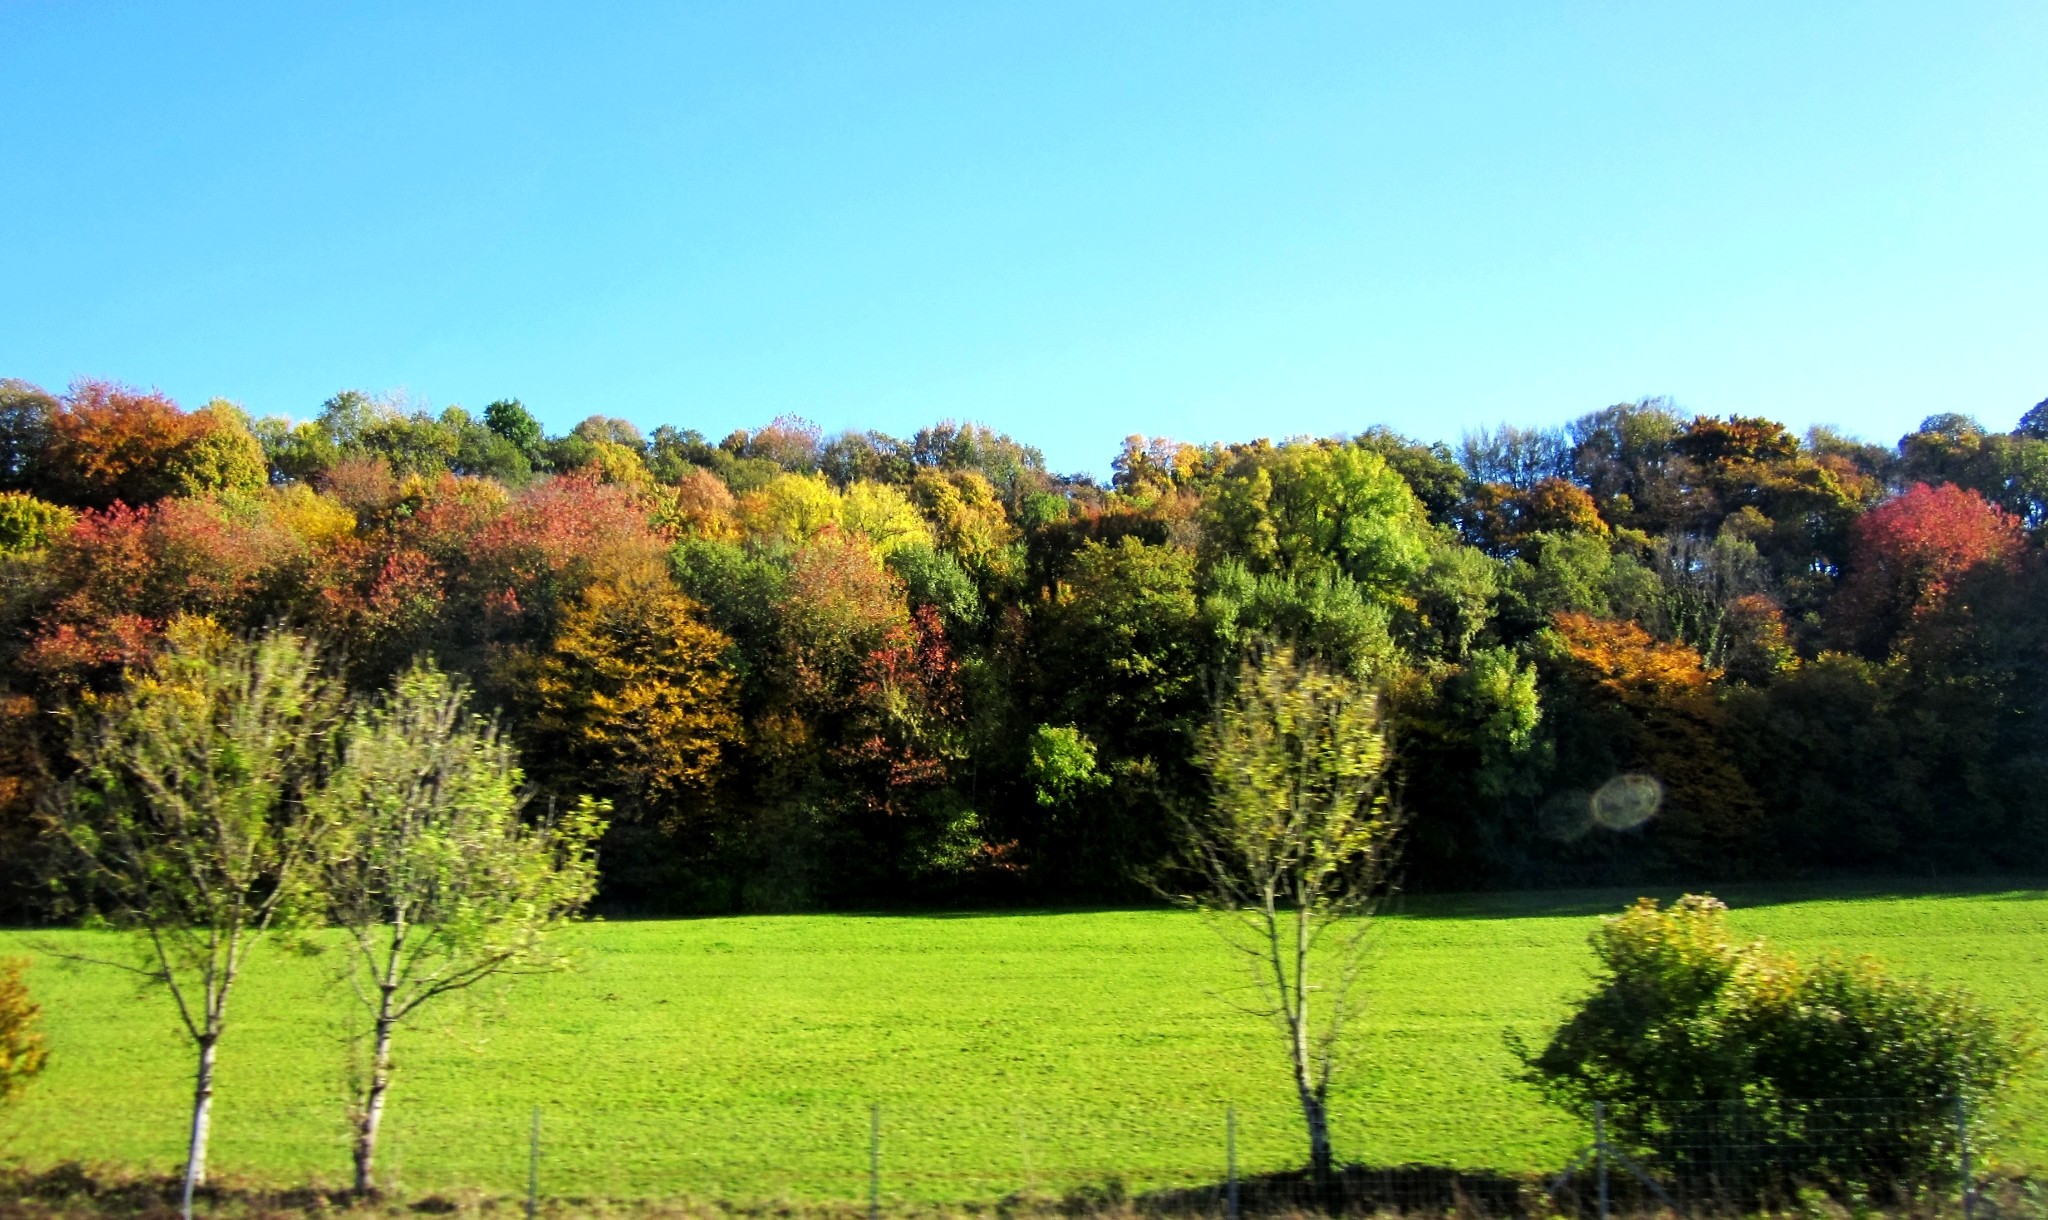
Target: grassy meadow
738, 1057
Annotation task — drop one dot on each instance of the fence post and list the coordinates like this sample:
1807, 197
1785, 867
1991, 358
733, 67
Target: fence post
533, 1167
875, 1161
1230, 1154
1963, 1152
1600, 1151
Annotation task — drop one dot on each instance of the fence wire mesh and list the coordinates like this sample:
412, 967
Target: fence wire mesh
1761, 1154
1689, 1158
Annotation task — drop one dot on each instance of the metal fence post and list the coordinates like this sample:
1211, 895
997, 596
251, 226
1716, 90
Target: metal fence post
1230, 1154
1963, 1153
1600, 1150
875, 1161
533, 1167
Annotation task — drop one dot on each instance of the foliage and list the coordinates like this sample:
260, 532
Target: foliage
22, 1052
188, 816
970, 522
633, 688
1295, 852
884, 516
25, 412
1324, 615
1293, 507
509, 418
107, 444
1663, 720
431, 873
28, 524
1637, 591
1063, 764
932, 577
1909, 555
1682, 1012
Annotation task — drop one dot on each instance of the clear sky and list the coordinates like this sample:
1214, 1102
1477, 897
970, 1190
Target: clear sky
1070, 221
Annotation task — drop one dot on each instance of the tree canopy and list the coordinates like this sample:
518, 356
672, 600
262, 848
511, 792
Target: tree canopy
812, 669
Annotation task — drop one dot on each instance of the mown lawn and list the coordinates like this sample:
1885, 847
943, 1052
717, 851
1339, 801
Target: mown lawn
739, 1057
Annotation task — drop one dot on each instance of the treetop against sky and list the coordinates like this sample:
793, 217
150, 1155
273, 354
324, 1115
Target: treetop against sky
1072, 222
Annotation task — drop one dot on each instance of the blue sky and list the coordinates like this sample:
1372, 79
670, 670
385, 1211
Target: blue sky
1071, 221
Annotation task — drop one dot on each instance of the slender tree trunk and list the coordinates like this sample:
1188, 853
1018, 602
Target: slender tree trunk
202, 1117
373, 1102
1313, 1112
1321, 1161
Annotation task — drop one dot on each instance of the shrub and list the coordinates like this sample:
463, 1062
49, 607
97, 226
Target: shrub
1834, 1071
21, 1044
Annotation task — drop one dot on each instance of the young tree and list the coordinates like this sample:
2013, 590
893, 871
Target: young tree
22, 1054
432, 873
189, 814
1295, 853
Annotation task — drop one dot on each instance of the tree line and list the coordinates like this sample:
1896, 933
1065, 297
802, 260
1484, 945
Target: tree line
813, 671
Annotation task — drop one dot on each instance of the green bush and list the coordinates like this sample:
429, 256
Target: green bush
1829, 1072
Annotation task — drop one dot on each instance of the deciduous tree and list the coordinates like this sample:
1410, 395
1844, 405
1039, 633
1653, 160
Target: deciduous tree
109, 444
188, 818
634, 687
1682, 1011
432, 873
1294, 853
1909, 554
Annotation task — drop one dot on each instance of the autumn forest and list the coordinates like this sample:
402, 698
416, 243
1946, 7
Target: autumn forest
814, 671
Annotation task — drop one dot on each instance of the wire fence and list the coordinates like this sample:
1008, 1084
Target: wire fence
1687, 1158
1763, 1150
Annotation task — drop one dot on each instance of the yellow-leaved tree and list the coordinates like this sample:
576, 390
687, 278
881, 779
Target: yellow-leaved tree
635, 686
21, 1045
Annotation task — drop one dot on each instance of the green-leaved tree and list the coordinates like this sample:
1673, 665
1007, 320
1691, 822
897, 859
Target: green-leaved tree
434, 876
1691, 1034
1294, 854
188, 815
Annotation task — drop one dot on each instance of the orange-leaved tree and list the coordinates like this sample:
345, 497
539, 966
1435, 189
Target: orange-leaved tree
1673, 727
109, 444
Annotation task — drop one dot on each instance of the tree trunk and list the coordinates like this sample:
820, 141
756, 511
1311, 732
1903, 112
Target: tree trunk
1312, 1110
1314, 1113
373, 1103
202, 1118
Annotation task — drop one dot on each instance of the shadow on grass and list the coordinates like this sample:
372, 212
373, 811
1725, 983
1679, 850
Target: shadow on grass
1490, 904
75, 1189
1356, 1190
80, 1192
68, 1191
1521, 904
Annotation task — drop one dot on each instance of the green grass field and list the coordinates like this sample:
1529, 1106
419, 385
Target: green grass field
738, 1057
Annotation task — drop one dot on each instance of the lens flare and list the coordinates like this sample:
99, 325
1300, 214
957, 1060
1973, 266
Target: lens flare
1627, 801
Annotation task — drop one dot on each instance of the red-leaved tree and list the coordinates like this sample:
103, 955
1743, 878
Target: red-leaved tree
1908, 556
